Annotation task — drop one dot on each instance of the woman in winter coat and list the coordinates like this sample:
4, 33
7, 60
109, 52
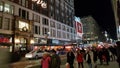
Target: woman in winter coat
45, 62
79, 58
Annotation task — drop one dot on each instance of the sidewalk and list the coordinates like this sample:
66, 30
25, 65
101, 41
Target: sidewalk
36, 64
113, 64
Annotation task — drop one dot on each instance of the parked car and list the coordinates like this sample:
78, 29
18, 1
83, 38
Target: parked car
35, 54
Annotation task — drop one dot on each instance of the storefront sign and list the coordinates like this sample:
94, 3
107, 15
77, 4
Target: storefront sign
4, 40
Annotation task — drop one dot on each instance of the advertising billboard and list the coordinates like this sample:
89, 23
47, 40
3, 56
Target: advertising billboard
79, 27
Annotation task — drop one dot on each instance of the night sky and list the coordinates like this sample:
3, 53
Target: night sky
101, 11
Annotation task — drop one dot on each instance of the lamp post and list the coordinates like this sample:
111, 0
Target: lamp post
41, 2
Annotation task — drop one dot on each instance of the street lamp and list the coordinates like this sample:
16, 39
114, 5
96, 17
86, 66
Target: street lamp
41, 2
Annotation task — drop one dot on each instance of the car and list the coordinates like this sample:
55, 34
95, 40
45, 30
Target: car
35, 54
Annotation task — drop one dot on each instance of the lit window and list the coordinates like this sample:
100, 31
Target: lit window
23, 26
7, 8
1, 6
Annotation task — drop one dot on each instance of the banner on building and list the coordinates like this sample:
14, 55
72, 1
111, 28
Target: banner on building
79, 27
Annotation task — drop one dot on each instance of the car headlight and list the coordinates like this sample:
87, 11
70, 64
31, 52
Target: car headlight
29, 56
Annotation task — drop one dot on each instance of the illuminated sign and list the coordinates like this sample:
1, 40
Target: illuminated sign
79, 27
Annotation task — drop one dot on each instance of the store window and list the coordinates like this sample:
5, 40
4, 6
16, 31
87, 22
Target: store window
23, 26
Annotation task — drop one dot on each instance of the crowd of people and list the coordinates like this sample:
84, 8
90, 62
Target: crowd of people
94, 56
91, 56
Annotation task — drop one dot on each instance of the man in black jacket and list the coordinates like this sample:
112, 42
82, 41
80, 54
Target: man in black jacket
70, 58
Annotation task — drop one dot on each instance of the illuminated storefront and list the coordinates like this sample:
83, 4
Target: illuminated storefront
22, 34
6, 41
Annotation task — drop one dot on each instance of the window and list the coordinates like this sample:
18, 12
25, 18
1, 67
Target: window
53, 33
36, 29
45, 30
59, 26
20, 1
23, 2
52, 24
0, 22
23, 13
12, 9
36, 18
39, 30
63, 28
23, 26
44, 21
1, 6
7, 8
27, 3
58, 34
6, 23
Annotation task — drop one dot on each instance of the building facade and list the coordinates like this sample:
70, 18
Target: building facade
23, 22
91, 30
116, 9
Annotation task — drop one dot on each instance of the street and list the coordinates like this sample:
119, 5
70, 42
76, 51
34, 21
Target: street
35, 64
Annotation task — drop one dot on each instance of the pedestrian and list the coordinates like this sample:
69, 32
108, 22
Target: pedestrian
106, 55
55, 60
79, 58
70, 58
95, 57
118, 52
89, 58
45, 61
100, 55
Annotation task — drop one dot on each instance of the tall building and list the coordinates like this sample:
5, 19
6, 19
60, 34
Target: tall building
23, 22
91, 30
116, 9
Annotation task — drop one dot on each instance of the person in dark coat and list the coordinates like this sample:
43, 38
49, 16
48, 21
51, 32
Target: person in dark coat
107, 55
70, 58
55, 60
95, 56
118, 52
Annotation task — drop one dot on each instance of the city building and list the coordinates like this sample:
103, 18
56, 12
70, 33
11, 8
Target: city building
40, 22
116, 9
91, 30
